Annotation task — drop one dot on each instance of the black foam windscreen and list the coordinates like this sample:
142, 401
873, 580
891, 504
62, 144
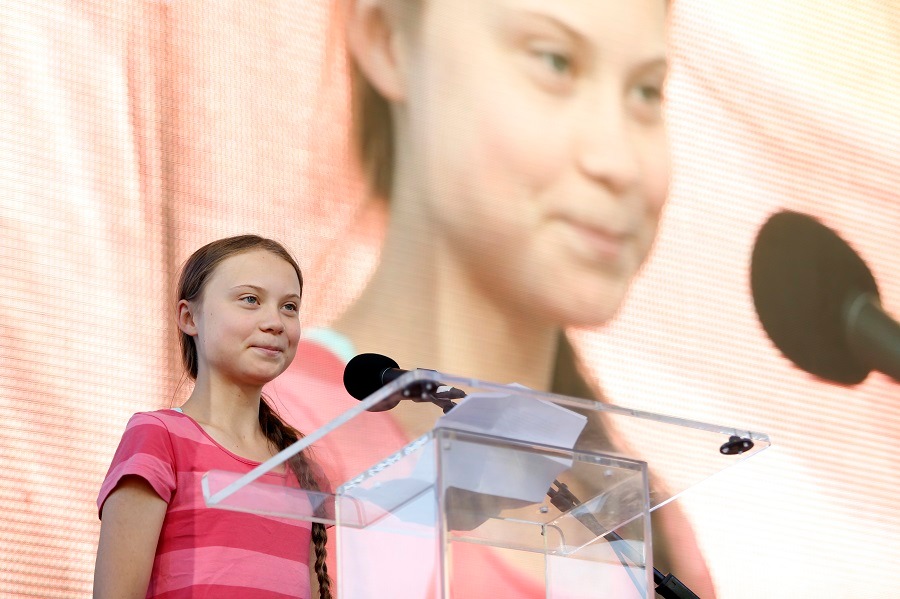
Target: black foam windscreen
363, 374
802, 276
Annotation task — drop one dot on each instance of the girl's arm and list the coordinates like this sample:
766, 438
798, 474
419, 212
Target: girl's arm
129, 532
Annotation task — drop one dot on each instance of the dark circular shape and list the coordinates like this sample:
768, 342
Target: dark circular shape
362, 374
802, 275
736, 446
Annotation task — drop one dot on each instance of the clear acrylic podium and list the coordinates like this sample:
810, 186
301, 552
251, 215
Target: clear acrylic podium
533, 481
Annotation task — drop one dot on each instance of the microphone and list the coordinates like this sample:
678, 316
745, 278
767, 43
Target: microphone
818, 302
367, 373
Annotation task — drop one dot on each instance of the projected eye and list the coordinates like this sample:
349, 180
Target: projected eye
645, 99
554, 69
649, 93
556, 61
250, 299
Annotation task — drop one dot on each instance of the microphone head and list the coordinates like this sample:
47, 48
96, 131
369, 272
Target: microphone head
803, 275
362, 375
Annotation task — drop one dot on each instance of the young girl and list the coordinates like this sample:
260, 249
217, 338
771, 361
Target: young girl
237, 310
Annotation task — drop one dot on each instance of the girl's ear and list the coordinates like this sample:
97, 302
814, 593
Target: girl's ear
377, 42
184, 317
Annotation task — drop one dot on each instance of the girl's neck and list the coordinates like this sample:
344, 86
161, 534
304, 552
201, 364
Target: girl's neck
231, 417
225, 407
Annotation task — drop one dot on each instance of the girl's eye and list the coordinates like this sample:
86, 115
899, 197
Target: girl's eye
646, 100
649, 93
250, 299
557, 62
554, 69
292, 307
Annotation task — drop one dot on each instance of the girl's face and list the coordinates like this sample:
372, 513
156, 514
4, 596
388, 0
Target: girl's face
246, 323
531, 136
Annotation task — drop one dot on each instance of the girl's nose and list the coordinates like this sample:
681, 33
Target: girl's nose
272, 321
607, 148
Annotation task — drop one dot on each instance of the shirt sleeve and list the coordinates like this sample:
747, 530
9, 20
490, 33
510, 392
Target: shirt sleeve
146, 451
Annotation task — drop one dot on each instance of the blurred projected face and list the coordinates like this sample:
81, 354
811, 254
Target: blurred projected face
530, 132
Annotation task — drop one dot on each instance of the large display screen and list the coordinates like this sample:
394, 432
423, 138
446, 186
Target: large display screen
474, 186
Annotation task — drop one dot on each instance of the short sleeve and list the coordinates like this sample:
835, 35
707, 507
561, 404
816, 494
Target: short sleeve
146, 451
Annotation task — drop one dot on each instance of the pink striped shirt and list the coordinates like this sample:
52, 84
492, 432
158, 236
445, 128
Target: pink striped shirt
207, 552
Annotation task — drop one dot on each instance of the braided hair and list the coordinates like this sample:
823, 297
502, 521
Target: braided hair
282, 436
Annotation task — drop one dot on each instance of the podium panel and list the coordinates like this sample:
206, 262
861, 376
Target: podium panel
538, 485
425, 524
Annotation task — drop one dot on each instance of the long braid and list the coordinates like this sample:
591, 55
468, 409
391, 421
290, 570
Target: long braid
282, 436
319, 539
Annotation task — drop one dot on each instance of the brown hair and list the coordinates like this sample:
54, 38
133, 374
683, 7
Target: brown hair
373, 134
372, 124
194, 274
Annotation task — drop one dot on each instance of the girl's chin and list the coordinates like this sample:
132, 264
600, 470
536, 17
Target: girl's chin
260, 379
588, 308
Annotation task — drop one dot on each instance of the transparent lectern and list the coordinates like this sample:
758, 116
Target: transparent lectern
550, 490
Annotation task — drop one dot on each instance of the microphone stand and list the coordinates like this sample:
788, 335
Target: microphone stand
667, 586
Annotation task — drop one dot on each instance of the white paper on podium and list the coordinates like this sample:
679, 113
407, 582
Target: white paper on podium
508, 472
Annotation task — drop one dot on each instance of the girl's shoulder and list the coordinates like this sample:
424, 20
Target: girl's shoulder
163, 414
168, 420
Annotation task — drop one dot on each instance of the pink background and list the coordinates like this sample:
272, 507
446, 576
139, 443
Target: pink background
133, 132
